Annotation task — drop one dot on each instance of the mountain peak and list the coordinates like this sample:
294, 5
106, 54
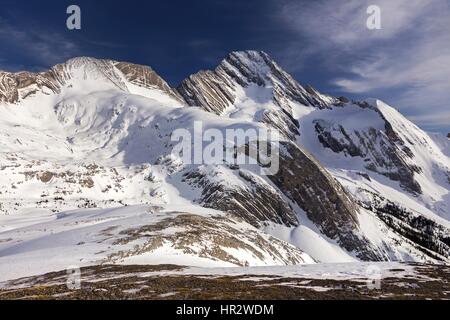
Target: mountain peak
77, 71
252, 67
219, 89
250, 57
83, 60
258, 67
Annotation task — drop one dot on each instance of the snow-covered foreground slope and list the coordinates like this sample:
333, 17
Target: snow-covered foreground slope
357, 181
183, 235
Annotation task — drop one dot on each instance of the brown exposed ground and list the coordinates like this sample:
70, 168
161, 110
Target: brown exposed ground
163, 283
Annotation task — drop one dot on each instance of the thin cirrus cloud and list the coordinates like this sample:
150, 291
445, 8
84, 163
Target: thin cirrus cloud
39, 47
409, 57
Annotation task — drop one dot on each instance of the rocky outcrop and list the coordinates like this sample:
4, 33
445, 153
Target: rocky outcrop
257, 203
301, 179
14, 86
209, 237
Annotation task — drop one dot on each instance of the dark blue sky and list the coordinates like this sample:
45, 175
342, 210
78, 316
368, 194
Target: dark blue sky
176, 38
323, 43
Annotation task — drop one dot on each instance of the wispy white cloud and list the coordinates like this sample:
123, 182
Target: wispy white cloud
41, 46
409, 56
433, 119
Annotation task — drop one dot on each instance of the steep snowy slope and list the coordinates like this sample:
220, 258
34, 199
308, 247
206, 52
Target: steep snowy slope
374, 139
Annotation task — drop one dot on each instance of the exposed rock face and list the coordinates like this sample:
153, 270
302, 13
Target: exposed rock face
217, 90
303, 180
14, 86
257, 203
448, 136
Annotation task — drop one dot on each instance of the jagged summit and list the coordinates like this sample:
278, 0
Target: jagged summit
246, 68
251, 85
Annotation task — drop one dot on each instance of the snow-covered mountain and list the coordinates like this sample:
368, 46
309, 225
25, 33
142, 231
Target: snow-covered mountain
379, 156
84, 140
